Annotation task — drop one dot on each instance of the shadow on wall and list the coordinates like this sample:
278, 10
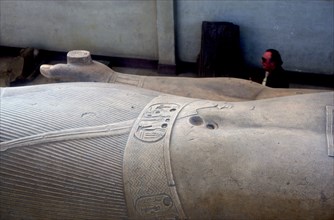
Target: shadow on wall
220, 50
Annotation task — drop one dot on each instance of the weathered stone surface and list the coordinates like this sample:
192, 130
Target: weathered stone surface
10, 69
30, 56
19, 67
110, 151
228, 89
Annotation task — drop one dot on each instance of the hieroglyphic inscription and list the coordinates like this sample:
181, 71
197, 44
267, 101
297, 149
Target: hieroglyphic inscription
154, 122
153, 205
148, 180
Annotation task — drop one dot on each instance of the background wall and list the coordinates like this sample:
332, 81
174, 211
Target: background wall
115, 28
302, 30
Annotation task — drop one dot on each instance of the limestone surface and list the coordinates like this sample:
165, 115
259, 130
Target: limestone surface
111, 151
80, 68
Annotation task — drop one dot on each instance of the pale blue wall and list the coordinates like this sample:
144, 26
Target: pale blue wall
302, 30
124, 28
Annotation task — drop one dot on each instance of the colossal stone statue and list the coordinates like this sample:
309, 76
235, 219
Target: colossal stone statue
108, 151
81, 67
